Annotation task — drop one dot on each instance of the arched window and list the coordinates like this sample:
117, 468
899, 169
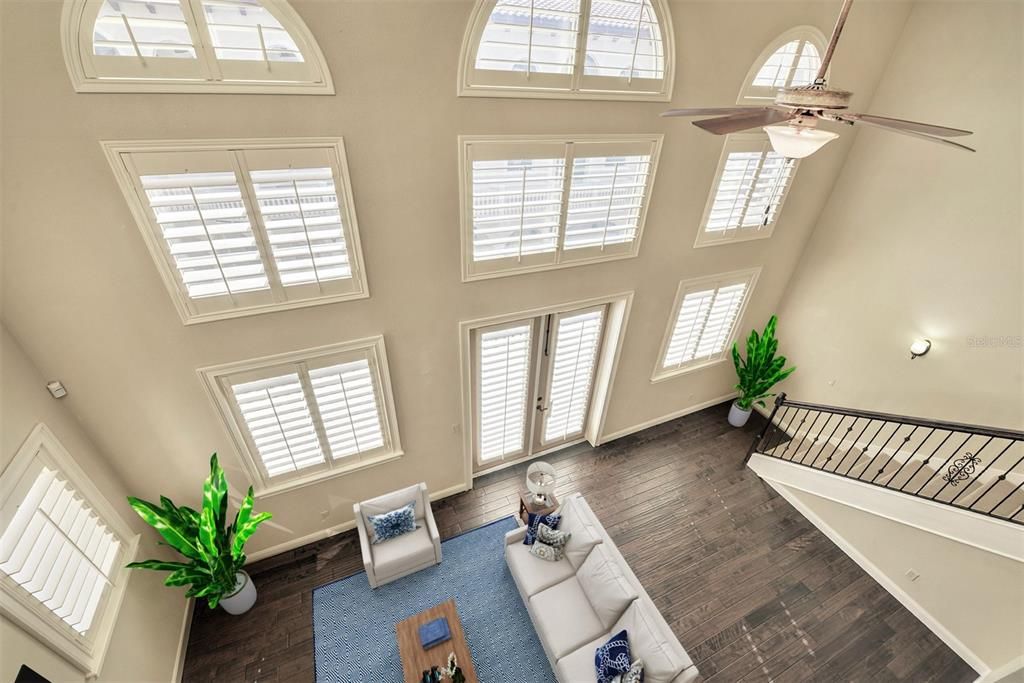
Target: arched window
790, 60
592, 49
191, 46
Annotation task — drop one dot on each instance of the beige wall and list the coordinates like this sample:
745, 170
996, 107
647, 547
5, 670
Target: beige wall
84, 294
918, 240
144, 646
976, 595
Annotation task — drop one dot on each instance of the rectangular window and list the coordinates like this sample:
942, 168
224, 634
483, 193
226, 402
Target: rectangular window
302, 416
504, 371
62, 551
538, 203
243, 227
704, 321
749, 188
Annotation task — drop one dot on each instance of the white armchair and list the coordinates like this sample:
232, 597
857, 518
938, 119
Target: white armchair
408, 553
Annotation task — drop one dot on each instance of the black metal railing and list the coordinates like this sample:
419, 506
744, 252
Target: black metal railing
970, 467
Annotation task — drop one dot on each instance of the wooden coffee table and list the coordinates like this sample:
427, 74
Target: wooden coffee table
416, 660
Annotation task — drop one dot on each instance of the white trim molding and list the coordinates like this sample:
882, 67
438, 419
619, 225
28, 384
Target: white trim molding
244, 159
196, 68
532, 83
682, 412
218, 381
42, 450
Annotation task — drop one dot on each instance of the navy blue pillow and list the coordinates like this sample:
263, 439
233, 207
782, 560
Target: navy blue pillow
612, 658
534, 520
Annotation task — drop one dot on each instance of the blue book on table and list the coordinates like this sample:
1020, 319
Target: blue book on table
434, 632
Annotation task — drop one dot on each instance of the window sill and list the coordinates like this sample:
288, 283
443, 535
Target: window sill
200, 318
569, 263
702, 241
662, 375
275, 488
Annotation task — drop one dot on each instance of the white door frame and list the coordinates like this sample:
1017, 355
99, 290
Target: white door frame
619, 306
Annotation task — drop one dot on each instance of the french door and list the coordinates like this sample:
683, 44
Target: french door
533, 383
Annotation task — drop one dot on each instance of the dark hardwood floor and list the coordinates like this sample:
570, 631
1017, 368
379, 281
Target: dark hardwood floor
753, 590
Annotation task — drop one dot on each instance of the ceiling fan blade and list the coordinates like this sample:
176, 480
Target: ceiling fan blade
724, 125
902, 131
712, 111
903, 124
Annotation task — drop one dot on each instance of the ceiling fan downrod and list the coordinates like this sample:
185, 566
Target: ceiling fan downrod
833, 41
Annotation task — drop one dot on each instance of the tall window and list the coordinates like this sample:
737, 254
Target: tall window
704, 320
240, 228
301, 416
531, 204
791, 60
191, 46
750, 186
62, 551
600, 49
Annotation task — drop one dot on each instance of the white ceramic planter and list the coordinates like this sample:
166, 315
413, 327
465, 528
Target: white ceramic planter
737, 416
244, 597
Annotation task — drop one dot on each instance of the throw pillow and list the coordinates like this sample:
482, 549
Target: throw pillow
395, 523
552, 537
634, 675
612, 658
534, 520
545, 551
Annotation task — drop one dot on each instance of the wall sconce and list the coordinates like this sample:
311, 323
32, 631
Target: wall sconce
920, 347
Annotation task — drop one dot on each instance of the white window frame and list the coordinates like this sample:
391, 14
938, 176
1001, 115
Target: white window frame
740, 142
583, 87
120, 154
85, 652
762, 95
79, 16
496, 146
749, 276
217, 380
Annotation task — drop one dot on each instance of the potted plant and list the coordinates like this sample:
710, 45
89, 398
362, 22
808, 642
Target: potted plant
758, 373
213, 548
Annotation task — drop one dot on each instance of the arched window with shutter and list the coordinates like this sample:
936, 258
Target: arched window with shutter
185, 46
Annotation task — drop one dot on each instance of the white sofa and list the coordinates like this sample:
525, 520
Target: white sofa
581, 601
392, 559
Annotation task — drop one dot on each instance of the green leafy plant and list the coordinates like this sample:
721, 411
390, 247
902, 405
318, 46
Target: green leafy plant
213, 548
762, 369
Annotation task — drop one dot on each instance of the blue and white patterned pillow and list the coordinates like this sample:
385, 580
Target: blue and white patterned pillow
534, 520
634, 675
612, 658
395, 523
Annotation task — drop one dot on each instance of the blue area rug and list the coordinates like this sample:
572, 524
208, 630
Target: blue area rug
354, 625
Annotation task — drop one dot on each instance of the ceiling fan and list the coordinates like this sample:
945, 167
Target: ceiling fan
791, 122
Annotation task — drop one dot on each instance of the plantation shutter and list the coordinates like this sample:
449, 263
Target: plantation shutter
301, 215
204, 222
794, 64
245, 30
705, 322
751, 185
576, 343
348, 406
530, 37
57, 549
279, 422
503, 371
624, 40
606, 199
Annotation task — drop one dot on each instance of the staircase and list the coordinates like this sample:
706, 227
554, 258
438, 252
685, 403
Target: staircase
969, 467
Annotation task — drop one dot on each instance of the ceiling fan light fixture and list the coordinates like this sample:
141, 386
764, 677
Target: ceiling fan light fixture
797, 142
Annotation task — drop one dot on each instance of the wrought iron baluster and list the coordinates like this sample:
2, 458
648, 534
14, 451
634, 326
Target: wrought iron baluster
921, 488
776, 438
925, 461
839, 443
1001, 477
759, 440
966, 465
906, 439
909, 458
810, 449
804, 438
1006, 498
792, 436
867, 448
852, 446
881, 450
827, 441
982, 474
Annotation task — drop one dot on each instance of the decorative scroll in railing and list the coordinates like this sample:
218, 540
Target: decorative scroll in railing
967, 466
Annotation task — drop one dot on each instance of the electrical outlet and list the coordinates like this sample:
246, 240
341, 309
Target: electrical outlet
912, 575
832, 382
